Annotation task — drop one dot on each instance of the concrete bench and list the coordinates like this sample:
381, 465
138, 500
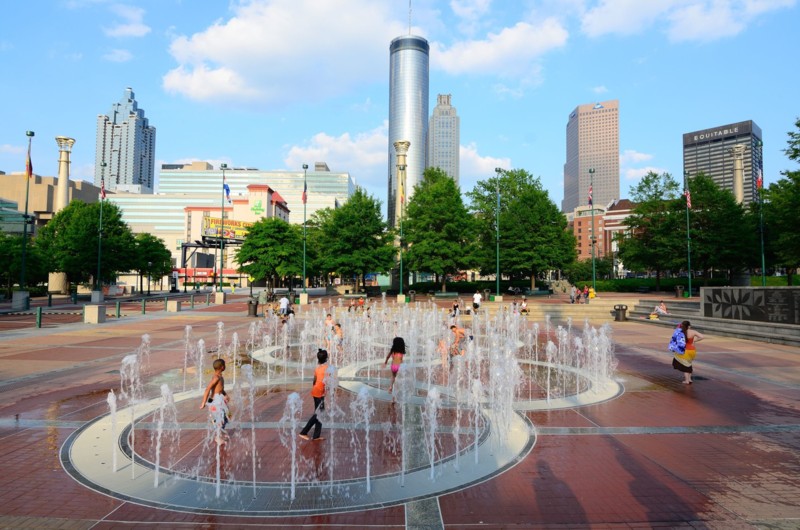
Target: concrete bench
538, 292
445, 295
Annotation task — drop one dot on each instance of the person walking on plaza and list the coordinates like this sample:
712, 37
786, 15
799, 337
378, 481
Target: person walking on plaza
318, 394
682, 345
284, 302
476, 301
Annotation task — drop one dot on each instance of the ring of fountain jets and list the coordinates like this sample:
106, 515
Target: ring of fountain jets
446, 425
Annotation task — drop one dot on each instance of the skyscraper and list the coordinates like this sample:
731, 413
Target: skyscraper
126, 143
592, 143
710, 151
408, 113
444, 137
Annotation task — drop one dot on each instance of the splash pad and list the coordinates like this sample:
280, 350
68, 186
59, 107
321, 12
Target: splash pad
452, 424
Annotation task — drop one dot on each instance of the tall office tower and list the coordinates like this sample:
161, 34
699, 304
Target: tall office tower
712, 151
126, 143
444, 137
592, 143
408, 113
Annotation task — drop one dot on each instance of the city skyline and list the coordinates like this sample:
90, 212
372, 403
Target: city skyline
275, 84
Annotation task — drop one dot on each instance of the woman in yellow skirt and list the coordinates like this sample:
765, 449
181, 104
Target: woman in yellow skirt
682, 345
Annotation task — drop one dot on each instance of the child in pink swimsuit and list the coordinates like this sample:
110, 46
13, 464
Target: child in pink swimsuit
396, 354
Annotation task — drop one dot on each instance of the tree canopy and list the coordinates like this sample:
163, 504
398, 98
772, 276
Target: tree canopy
272, 249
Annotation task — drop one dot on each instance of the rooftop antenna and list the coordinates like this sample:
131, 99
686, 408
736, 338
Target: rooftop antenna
409, 17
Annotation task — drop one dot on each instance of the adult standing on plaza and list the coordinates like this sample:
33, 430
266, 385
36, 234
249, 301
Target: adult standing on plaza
284, 305
476, 300
682, 345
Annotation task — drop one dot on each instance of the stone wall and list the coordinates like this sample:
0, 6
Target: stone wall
780, 305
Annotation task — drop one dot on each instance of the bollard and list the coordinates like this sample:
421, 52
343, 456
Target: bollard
191, 301
166, 300
208, 299
119, 306
143, 305
38, 317
49, 299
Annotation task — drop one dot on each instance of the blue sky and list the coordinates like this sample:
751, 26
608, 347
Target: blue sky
274, 84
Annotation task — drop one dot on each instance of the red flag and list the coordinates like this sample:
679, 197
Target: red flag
305, 192
688, 199
759, 180
590, 194
28, 164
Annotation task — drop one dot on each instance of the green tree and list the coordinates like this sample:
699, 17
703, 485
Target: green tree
438, 230
152, 257
354, 239
533, 235
11, 255
70, 242
656, 235
781, 220
723, 238
272, 249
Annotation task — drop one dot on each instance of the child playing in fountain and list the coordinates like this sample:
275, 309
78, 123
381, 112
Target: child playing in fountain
216, 396
318, 393
396, 354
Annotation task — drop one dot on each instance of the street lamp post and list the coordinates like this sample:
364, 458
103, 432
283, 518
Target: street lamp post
497, 170
305, 198
401, 148
592, 240
28, 177
149, 273
223, 167
688, 234
97, 283
759, 190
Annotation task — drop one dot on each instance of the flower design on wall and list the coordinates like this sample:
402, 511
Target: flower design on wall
737, 304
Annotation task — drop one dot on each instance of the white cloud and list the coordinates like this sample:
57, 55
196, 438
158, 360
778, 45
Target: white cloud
285, 50
131, 25
681, 20
118, 56
475, 167
364, 155
600, 89
637, 173
11, 149
511, 52
471, 13
630, 156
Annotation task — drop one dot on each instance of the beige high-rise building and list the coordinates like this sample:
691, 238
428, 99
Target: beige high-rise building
592, 144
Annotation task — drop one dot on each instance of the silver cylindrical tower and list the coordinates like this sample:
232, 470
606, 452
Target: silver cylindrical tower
408, 113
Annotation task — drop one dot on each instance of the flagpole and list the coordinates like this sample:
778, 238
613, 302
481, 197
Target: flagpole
688, 234
97, 284
28, 176
305, 198
223, 167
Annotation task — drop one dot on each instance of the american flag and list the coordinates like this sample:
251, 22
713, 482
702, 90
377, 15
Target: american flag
28, 164
590, 195
688, 198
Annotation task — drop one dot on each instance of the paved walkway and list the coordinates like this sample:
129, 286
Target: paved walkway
721, 453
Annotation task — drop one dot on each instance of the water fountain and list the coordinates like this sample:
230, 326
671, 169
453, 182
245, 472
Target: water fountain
436, 414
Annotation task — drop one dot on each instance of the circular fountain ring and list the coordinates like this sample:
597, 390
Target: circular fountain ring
87, 456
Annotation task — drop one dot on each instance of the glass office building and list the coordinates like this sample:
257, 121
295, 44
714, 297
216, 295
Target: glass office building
444, 137
126, 143
710, 151
408, 113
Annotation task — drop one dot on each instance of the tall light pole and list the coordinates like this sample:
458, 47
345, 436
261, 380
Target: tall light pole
497, 170
305, 198
688, 234
223, 167
28, 177
97, 283
592, 238
760, 191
